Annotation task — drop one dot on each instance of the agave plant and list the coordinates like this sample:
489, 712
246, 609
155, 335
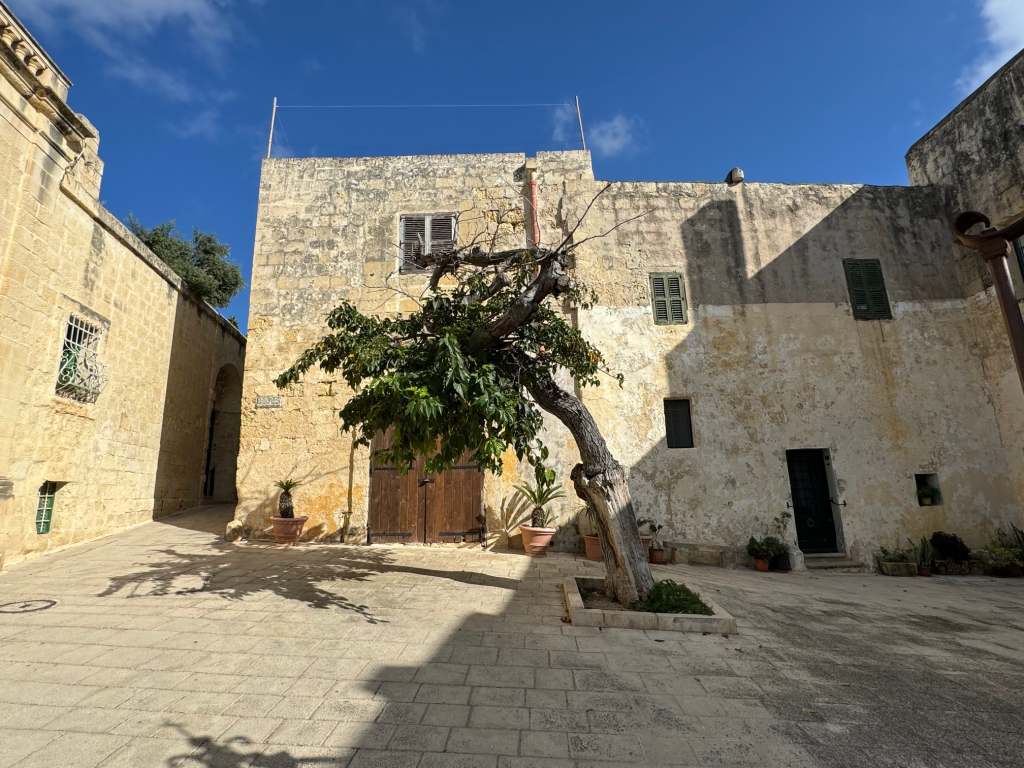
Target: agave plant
540, 494
285, 508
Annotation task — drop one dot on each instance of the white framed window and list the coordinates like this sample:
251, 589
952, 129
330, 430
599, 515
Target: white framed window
425, 233
80, 375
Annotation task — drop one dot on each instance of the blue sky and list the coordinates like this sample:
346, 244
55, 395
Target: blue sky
790, 91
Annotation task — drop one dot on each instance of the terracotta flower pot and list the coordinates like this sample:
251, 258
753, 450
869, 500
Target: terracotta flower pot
761, 564
592, 545
658, 555
536, 540
288, 529
924, 570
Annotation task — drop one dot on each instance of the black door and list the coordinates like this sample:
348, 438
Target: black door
812, 504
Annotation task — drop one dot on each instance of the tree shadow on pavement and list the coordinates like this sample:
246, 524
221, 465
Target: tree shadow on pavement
315, 577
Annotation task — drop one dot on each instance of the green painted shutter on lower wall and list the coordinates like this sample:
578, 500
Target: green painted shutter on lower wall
44, 506
866, 285
668, 298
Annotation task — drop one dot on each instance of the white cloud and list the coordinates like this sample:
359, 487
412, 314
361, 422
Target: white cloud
121, 30
203, 124
141, 73
1004, 36
103, 21
613, 136
565, 128
412, 27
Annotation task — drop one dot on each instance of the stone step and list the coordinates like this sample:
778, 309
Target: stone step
833, 563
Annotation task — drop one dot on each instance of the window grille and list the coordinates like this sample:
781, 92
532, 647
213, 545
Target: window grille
678, 424
80, 375
866, 285
423, 234
44, 506
668, 298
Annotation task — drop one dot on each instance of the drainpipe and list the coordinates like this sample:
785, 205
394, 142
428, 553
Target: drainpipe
530, 167
995, 246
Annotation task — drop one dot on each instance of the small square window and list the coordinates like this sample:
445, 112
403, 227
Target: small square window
866, 284
678, 424
928, 493
425, 233
44, 506
80, 375
668, 298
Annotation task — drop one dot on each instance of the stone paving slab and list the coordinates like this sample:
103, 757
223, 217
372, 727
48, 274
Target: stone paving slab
167, 647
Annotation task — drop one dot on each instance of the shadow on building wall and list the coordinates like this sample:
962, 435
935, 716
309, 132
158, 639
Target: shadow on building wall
762, 378
201, 415
223, 436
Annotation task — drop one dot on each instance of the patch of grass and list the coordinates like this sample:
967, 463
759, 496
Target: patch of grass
669, 597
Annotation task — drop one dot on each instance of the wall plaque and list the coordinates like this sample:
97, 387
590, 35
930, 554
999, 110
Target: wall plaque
268, 401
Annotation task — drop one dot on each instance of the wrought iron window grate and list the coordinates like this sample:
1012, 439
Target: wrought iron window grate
80, 375
44, 506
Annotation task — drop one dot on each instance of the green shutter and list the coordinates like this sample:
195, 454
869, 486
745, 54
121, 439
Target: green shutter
866, 285
668, 298
44, 506
678, 424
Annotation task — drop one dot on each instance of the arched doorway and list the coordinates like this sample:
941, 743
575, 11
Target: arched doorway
222, 437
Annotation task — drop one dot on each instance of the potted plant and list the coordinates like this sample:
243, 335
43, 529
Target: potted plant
950, 554
924, 555
657, 553
586, 524
287, 527
1004, 555
760, 551
896, 562
780, 561
537, 536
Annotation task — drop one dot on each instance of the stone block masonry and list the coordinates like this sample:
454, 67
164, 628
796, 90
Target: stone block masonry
138, 449
769, 356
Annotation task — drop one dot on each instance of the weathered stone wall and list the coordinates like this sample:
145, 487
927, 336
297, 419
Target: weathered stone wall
771, 356
327, 230
772, 359
138, 450
976, 155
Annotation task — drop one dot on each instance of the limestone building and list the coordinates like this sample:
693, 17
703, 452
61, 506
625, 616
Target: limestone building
825, 350
119, 392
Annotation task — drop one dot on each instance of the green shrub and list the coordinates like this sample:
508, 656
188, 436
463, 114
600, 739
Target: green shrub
766, 548
949, 546
669, 597
895, 555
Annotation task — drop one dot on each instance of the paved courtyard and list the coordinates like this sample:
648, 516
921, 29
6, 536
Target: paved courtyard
167, 647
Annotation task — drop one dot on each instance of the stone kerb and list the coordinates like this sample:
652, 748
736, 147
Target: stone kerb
719, 623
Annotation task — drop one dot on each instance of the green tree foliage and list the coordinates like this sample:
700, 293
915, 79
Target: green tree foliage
470, 371
202, 262
441, 386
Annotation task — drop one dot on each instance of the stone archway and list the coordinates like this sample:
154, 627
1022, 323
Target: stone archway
222, 437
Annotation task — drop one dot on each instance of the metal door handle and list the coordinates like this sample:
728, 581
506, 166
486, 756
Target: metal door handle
424, 481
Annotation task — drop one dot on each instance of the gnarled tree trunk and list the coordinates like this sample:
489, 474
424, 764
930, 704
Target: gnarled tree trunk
601, 482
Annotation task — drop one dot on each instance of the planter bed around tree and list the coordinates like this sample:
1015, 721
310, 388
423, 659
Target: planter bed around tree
613, 615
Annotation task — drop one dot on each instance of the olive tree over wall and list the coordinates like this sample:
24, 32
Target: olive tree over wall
471, 369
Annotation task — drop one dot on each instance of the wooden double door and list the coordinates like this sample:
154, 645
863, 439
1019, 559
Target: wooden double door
422, 508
